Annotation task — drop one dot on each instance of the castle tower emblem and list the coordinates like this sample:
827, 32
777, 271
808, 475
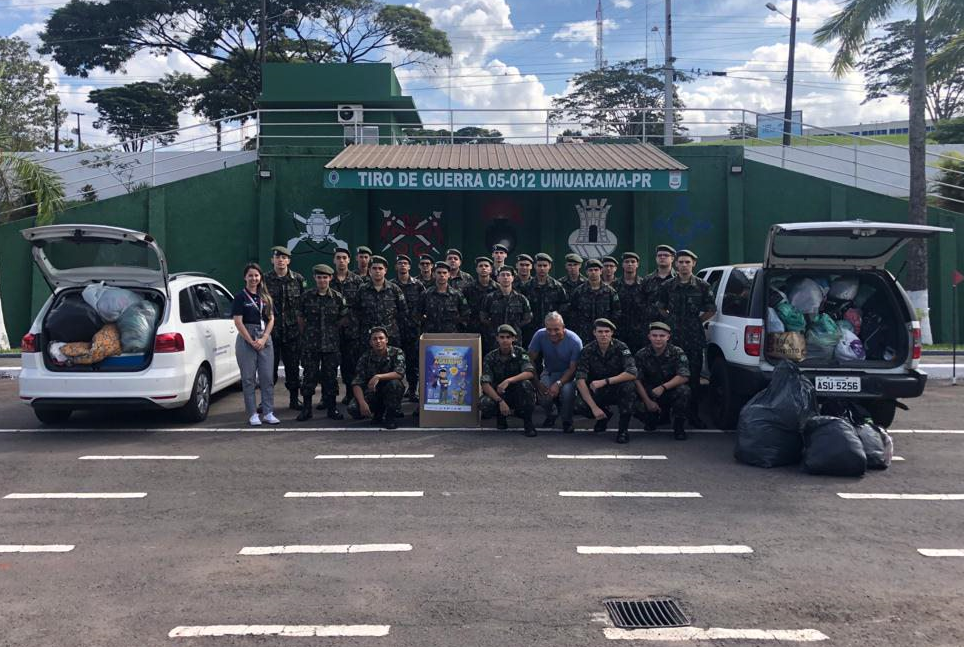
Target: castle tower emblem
592, 239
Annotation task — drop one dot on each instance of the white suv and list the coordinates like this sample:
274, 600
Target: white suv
193, 351
820, 252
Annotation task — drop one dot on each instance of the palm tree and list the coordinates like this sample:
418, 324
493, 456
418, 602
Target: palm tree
26, 185
850, 26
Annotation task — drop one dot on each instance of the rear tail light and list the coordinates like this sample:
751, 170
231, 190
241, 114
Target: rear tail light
29, 343
915, 333
752, 340
169, 342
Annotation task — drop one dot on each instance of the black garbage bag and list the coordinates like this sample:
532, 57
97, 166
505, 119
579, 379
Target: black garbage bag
832, 447
768, 431
73, 320
878, 446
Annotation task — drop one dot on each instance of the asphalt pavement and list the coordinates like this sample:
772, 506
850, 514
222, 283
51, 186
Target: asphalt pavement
478, 537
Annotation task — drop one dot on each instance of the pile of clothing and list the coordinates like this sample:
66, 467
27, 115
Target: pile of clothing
106, 322
824, 319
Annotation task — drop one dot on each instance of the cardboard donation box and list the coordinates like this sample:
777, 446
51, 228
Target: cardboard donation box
450, 366
786, 345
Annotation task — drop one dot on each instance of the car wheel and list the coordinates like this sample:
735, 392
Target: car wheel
725, 404
196, 409
52, 416
883, 412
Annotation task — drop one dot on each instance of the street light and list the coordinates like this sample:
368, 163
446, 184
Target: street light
788, 106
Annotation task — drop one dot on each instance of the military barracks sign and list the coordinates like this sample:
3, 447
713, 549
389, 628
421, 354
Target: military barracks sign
467, 180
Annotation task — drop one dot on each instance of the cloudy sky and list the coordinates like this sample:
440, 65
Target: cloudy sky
514, 54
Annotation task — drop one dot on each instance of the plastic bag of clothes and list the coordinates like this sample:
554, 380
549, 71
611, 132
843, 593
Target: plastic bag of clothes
854, 317
774, 323
833, 447
768, 433
72, 320
56, 353
136, 327
822, 337
792, 318
849, 348
806, 295
110, 302
106, 343
844, 289
864, 293
878, 445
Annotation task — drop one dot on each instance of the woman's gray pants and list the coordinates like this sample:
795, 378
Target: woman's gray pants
256, 367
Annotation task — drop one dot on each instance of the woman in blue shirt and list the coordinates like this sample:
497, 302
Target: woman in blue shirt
253, 314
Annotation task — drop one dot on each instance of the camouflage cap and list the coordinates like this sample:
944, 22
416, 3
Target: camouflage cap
442, 265
499, 247
606, 323
524, 257
686, 252
632, 255
483, 259
343, 250
403, 257
280, 250
453, 252
609, 259
507, 268
364, 250
542, 256
425, 257
321, 268
506, 329
659, 325
593, 262
378, 260
574, 258
665, 248
375, 329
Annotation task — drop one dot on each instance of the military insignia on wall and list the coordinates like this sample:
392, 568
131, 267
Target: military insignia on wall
682, 228
319, 230
411, 234
592, 239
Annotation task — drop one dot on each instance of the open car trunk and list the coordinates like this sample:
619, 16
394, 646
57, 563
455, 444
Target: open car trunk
121, 362
836, 319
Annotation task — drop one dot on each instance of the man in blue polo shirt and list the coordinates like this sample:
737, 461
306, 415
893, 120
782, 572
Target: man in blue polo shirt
558, 349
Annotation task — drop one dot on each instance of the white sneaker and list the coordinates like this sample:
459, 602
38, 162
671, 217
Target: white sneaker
255, 420
271, 419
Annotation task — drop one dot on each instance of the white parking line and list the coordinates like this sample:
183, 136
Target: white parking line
138, 457
681, 634
76, 495
312, 495
926, 431
664, 550
902, 497
941, 552
248, 430
623, 457
325, 549
897, 458
349, 456
288, 631
38, 548
654, 495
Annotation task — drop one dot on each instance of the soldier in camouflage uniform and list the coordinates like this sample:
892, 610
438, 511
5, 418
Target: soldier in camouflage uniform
609, 271
573, 279
476, 293
604, 376
507, 388
285, 287
652, 282
632, 302
412, 288
505, 306
363, 257
661, 382
381, 303
347, 283
545, 295
442, 309
321, 314
457, 278
377, 385
590, 301
426, 267
523, 272
499, 253
686, 302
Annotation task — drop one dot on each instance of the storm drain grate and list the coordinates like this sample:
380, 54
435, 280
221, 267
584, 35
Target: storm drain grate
646, 614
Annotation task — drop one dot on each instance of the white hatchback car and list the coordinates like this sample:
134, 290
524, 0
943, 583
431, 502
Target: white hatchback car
194, 336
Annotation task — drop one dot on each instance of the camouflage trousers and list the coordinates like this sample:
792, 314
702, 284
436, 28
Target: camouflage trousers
287, 351
386, 398
350, 352
623, 395
521, 398
675, 402
320, 368
695, 356
410, 348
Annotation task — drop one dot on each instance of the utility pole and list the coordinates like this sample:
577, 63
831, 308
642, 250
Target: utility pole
79, 114
788, 107
668, 78
56, 127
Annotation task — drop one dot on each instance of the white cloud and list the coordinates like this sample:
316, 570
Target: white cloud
30, 32
560, 55
812, 13
623, 4
583, 31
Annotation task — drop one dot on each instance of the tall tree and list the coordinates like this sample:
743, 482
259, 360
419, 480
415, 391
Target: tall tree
742, 131
850, 27
85, 35
625, 100
949, 17
887, 64
136, 111
27, 99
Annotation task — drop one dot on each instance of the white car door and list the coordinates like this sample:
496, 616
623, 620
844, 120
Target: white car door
216, 333
227, 333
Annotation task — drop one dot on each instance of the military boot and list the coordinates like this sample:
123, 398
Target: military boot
679, 433
390, 420
622, 436
530, 429
501, 422
333, 412
293, 403
305, 409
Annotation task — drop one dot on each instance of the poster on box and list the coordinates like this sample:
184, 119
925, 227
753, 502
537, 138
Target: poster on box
449, 371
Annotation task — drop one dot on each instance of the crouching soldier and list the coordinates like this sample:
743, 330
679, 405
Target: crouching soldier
662, 381
604, 376
377, 386
507, 388
321, 313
